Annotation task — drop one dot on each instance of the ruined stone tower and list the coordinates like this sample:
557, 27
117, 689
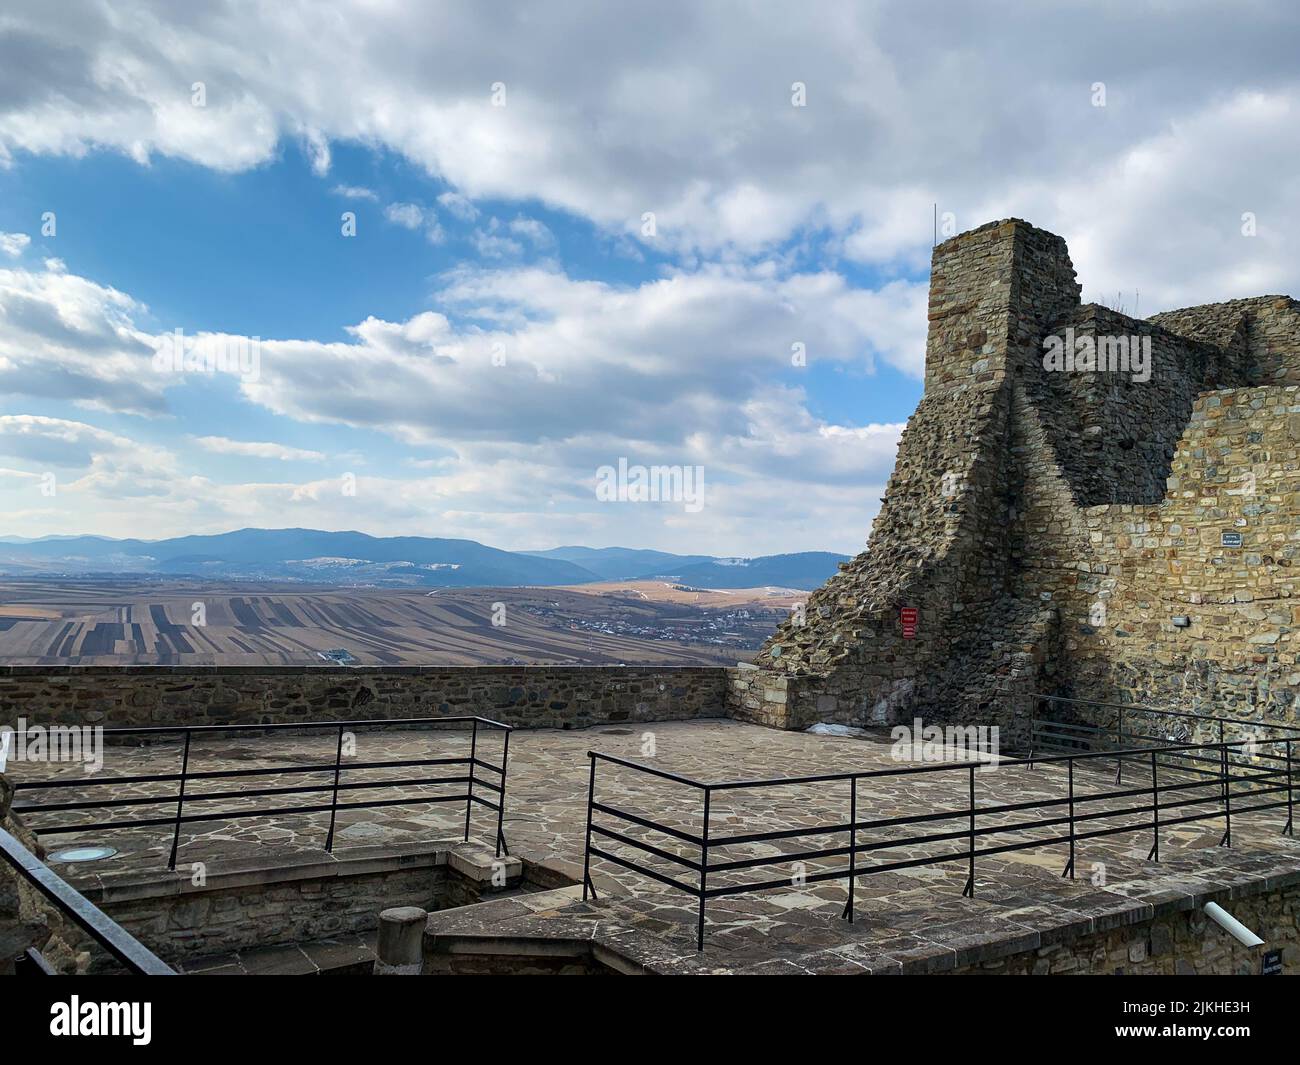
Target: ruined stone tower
1095, 529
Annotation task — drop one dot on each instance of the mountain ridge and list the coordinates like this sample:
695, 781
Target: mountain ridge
350, 557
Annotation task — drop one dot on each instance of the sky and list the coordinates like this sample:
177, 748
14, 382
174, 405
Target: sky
428, 269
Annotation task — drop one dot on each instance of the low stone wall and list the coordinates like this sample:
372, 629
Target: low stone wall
1179, 944
527, 696
292, 900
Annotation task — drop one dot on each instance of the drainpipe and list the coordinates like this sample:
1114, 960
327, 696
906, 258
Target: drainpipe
1232, 926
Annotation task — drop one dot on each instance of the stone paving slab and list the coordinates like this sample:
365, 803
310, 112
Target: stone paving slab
912, 919
341, 955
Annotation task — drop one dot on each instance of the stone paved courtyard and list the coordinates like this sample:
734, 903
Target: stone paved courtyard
908, 912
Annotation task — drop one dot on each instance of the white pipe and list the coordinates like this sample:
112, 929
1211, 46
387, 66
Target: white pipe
1231, 925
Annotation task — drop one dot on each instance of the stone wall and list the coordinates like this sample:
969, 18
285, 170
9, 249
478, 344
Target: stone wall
528, 696
291, 899
1236, 475
1265, 328
1046, 525
1179, 944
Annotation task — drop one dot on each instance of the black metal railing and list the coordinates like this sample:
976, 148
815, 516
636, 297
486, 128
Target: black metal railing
338, 778
81, 911
1164, 804
1111, 725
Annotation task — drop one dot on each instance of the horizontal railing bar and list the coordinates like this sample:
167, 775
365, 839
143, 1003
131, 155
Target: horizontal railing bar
652, 874
658, 852
784, 833
236, 815
768, 885
781, 859
677, 778
379, 722
963, 766
230, 774
685, 837
1154, 710
101, 804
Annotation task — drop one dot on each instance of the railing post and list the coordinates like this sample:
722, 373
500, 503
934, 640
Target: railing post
586, 852
1223, 782
501, 797
1035, 706
1227, 794
969, 890
853, 846
180, 802
704, 867
1069, 767
334, 792
469, 793
1290, 804
1119, 761
1154, 853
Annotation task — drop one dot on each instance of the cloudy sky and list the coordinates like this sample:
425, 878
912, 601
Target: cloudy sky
464, 255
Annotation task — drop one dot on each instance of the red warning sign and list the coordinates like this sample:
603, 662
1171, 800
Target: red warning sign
908, 616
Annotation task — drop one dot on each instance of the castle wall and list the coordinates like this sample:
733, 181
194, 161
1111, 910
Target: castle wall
1048, 524
1236, 474
936, 546
1265, 328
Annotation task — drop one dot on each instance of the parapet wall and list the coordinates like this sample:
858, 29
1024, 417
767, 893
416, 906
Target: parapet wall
529, 696
1045, 522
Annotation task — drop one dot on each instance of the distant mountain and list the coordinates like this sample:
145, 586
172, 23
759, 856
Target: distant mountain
807, 569
297, 554
312, 556
621, 563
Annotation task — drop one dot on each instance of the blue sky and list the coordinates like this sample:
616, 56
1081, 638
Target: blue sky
503, 324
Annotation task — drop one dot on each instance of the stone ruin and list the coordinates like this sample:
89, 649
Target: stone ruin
1103, 529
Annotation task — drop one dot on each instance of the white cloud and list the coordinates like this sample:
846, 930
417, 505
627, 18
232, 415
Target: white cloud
492, 243
690, 116
66, 337
355, 192
561, 363
533, 231
13, 244
407, 215
89, 461
257, 449
458, 206
414, 217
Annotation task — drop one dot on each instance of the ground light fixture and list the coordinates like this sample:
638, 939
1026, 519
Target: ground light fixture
83, 854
